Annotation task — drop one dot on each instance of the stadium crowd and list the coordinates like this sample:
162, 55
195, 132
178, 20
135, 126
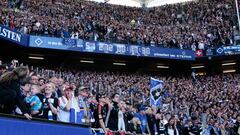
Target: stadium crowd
192, 25
119, 101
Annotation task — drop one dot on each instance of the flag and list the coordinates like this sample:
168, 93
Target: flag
199, 53
69, 42
156, 90
72, 115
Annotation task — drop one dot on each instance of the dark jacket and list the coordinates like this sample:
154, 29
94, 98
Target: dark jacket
11, 95
113, 118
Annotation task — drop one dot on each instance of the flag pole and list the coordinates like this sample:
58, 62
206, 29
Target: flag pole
238, 16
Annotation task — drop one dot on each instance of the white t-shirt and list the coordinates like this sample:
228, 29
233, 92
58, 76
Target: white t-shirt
171, 131
64, 115
121, 124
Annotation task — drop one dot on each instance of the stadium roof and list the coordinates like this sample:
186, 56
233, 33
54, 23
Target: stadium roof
139, 3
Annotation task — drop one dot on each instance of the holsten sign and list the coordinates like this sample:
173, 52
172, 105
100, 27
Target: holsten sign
12, 35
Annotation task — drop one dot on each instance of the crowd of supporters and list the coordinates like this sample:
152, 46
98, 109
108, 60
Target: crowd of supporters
192, 25
119, 101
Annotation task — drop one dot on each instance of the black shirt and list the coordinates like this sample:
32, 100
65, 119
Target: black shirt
113, 118
46, 107
10, 95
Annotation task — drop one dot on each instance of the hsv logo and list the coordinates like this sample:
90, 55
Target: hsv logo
38, 41
220, 51
199, 53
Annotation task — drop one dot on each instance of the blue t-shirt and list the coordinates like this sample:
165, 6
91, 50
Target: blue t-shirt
35, 99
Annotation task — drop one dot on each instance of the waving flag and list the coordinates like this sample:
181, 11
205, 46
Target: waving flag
156, 92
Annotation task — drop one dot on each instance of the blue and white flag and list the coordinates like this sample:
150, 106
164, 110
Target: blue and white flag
69, 42
156, 90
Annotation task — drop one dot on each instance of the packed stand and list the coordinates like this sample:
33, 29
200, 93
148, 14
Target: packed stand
119, 101
192, 25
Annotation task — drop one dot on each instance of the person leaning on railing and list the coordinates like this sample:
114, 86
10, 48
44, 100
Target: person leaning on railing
10, 94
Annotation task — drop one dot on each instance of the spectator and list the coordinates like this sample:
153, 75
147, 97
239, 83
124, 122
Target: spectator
10, 91
114, 113
100, 113
41, 81
50, 103
33, 100
66, 102
143, 119
84, 105
171, 127
34, 80
209, 103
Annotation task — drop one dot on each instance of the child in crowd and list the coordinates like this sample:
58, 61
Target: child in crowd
33, 100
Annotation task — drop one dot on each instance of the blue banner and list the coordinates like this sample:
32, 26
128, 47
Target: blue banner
231, 50
13, 36
109, 48
237, 37
156, 91
56, 43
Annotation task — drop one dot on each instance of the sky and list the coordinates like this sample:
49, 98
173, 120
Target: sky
133, 3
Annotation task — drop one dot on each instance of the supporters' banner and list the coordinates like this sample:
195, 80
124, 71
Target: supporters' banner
156, 90
13, 36
110, 48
